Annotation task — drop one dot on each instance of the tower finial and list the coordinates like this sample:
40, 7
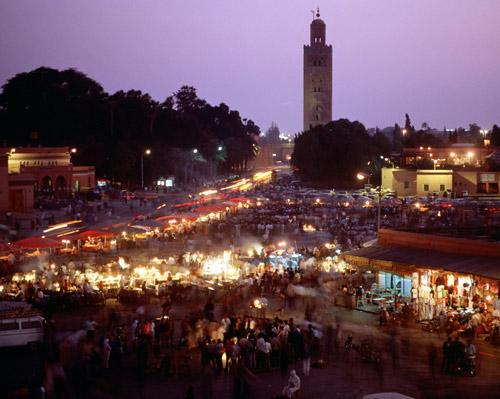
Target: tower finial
317, 12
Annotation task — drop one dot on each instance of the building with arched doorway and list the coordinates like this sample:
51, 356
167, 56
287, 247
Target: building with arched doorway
51, 168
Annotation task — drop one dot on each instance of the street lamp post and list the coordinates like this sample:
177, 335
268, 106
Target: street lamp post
363, 176
146, 152
379, 190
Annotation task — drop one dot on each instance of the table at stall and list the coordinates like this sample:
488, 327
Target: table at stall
382, 301
63, 251
91, 247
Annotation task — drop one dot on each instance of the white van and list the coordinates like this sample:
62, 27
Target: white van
21, 331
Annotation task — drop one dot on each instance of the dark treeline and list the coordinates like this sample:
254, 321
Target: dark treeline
336, 151
188, 137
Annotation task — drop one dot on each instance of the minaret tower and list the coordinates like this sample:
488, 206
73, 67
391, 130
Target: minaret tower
317, 76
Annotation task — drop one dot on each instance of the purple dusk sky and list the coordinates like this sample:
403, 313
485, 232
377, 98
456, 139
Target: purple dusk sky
437, 60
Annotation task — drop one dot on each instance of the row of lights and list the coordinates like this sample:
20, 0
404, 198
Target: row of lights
73, 150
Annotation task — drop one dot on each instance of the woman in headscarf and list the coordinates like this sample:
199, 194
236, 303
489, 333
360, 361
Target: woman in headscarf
293, 385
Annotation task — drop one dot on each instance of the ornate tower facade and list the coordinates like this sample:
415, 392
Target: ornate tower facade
317, 77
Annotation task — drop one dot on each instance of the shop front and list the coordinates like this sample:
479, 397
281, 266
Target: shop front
459, 290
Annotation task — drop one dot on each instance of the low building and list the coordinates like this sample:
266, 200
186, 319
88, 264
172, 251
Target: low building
456, 182
16, 191
455, 155
433, 272
272, 154
4, 186
51, 169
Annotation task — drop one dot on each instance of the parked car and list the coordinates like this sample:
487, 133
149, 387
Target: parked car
21, 330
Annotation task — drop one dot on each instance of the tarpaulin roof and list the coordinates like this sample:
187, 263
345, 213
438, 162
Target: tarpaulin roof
240, 199
90, 234
476, 265
37, 243
186, 204
211, 208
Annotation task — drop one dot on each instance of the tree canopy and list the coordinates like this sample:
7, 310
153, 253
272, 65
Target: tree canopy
48, 107
337, 151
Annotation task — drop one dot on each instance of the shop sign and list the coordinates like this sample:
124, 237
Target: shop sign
487, 178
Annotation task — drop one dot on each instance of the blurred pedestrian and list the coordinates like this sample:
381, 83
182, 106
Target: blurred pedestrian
446, 363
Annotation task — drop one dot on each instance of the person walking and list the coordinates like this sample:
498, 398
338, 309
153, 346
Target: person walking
306, 358
446, 363
456, 354
106, 352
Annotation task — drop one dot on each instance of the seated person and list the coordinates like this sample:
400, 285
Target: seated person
292, 386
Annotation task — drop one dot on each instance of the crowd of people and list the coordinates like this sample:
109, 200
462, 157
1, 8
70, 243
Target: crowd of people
229, 335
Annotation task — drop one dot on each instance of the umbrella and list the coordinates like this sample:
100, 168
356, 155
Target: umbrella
91, 234
387, 395
38, 243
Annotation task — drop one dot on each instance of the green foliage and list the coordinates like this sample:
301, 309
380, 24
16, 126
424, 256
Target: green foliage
336, 151
112, 131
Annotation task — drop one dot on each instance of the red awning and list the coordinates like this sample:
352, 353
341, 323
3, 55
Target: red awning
211, 209
186, 204
237, 200
83, 235
37, 243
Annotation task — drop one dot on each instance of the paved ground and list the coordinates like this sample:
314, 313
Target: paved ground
345, 376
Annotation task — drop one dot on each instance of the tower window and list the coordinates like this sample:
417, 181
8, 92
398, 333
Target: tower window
317, 117
314, 63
